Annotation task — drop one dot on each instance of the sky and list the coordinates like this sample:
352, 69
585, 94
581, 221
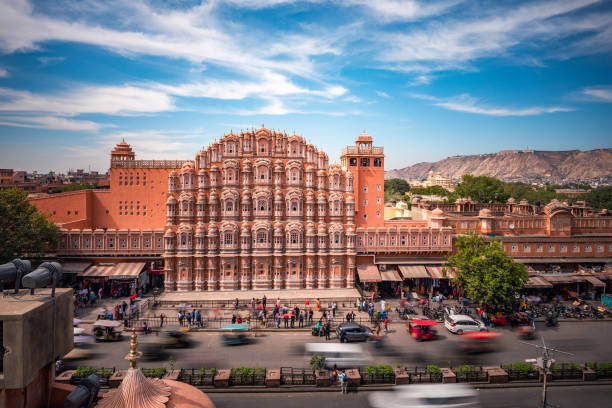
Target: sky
427, 79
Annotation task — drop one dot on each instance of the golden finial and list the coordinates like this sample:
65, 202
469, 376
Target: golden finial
133, 355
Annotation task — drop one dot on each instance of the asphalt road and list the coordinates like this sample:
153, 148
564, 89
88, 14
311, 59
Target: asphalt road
575, 396
587, 341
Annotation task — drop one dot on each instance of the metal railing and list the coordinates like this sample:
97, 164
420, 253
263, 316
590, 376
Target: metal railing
197, 376
297, 376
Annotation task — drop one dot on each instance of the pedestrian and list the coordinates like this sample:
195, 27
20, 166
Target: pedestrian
199, 318
188, 319
310, 313
327, 330
193, 317
334, 308
334, 375
344, 383
318, 305
161, 320
301, 320
386, 325
264, 301
180, 318
286, 320
278, 319
348, 317
100, 292
292, 319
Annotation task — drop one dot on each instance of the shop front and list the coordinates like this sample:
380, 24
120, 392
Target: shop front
116, 279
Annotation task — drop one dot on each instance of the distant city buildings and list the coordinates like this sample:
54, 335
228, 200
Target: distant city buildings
43, 183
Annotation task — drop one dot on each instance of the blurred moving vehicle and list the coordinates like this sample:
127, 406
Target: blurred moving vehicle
235, 334
105, 330
460, 324
526, 332
165, 337
426, 395
480, 342
339, 355
422, 329
353, 332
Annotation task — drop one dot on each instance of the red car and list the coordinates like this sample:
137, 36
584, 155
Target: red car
422, 329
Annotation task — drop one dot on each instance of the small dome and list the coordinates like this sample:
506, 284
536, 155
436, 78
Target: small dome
525, 202
172, 174
511, 200
171, 200
212, 228
188, 167
437, 212
322, 229
169, 233
364, 137
350, 198
309, 167
485, 212
201, 172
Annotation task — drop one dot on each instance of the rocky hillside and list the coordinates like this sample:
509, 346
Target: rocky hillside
519, 165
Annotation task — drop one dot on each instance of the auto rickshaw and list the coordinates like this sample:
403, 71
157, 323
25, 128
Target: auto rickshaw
235, 334
104, 330
480, 342
422, 329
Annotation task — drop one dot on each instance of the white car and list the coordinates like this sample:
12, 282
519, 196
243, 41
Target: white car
426, 395
460, 324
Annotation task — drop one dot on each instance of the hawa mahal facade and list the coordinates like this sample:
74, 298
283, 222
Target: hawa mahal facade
264, 210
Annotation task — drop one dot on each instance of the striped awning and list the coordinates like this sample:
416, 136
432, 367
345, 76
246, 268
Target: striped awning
390, 276
436, 272
122, 270
538, 282
368, 273
127, 270
594, 281
75, 267
413, 271
563, 279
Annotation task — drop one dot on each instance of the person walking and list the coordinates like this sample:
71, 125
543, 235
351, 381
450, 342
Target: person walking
292, 319
301, 320
180, 318
161, 319
334, 308
327, 330
343, 383
386, 325
199, 318
310, 313
264, 301
188, 319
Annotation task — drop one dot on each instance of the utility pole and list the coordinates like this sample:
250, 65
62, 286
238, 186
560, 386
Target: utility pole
544, 363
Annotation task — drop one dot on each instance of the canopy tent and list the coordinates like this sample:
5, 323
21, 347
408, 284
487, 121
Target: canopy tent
437, 273
122, 270
390, 276
595, 282
413, 271
537, 282
368, 273
560, 279
75, 267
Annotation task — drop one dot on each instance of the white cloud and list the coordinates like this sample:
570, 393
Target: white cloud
110, 100
382, 94
448, 44
403, 10
469, 104
46, 61
50, 122
3, 73
601, 94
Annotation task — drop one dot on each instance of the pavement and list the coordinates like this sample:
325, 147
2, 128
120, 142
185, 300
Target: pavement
558, 396
272, 295
586, 341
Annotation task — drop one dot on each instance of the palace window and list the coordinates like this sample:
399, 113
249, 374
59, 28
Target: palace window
365, 203
377, 162
587, 248
294, 237
262, 237
599, 248
377, 214
563, 248
575, 248
403, 240
513, 248
352, 162
526, 248
539, 248
377, 200
365, 162
228, 238
550, 248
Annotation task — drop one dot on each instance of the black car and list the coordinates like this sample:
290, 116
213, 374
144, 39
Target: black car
353, 332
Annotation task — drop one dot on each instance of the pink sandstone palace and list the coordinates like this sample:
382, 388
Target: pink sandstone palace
263, 210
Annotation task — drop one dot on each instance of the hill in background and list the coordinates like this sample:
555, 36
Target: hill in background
520, 166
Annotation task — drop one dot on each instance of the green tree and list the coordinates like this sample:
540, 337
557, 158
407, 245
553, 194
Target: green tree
397, 185
482, 189
431, 190
485, 272
24, 232
600, 197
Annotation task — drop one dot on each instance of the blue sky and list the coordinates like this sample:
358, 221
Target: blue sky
427, 79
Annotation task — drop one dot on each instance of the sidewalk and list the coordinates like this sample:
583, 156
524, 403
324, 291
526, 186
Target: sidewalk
90, 314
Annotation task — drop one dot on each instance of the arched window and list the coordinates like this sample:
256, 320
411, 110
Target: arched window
228, 238
229, 206
262, 205
261, 269
294, 206
183, 239
294, 237
337, 238
262, 237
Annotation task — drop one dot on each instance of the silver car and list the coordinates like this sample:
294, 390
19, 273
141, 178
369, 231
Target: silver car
460, 324
426, 395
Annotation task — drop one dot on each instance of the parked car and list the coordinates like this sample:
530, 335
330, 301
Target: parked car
353, 332
426, 395
460, 324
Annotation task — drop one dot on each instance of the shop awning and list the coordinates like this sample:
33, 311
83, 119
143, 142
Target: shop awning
436, 272
563, 279
98, 271
413, 271
75, 267
368, 273
594, 281
538, 282
122, 270
127, 270
390, 276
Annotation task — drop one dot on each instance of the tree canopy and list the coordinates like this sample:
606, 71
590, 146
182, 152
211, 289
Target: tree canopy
24, 232
485, 272
395, 189
600, 198
431, 190
482, 189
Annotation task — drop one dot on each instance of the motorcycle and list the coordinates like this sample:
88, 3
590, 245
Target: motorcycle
552, 320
